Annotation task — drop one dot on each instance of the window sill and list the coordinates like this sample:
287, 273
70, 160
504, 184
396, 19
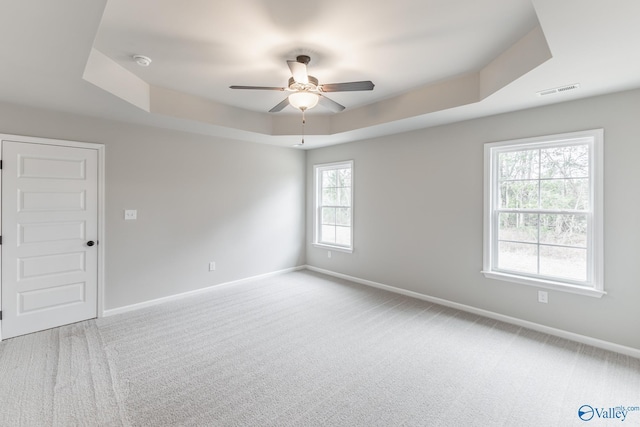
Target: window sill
547, 284
333, 248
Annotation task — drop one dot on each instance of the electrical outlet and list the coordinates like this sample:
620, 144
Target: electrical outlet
130, 214
212, 266
543, 297
328, 254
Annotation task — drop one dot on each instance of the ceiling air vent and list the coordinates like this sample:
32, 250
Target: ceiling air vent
559, 89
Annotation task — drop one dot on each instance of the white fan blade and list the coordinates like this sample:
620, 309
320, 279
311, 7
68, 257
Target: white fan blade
280, 106
299, 72
330, 104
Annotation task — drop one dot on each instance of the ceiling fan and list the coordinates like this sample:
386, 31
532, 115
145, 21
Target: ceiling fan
305, 91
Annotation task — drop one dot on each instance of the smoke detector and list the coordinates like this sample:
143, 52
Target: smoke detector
142, 60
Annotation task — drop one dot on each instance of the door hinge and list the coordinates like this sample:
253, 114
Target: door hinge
0, 164
0, 240
0, 315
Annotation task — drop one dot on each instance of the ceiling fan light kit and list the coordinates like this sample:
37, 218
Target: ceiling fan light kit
307, 92
304, 100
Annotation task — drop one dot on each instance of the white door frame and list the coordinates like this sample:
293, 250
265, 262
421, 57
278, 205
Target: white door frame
100, 148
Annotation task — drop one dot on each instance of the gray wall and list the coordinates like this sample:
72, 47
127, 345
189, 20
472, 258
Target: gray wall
418, 211
199, 199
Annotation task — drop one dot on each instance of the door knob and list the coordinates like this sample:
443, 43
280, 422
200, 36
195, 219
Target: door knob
91, 243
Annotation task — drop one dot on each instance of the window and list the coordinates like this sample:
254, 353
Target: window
333, 205
543, 212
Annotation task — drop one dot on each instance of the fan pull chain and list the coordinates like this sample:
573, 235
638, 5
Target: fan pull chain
303, 123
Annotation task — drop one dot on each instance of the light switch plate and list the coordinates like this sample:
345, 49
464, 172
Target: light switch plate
130, 214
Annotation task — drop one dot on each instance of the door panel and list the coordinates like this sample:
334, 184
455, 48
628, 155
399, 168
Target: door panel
50, 201
60, 296
50, 232
51, 265
49, 213
34, 167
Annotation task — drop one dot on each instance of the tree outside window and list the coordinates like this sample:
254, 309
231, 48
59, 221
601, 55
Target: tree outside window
334, 184
543, 221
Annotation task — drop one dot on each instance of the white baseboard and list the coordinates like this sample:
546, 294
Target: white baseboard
138, 306
583, 339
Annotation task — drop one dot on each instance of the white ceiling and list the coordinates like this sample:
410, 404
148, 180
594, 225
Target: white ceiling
202, 46
432, 61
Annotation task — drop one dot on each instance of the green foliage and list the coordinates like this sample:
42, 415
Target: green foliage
553, 178
538, 180
336, 206
336, 187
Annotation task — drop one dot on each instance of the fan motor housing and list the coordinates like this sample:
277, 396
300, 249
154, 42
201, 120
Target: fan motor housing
312, 85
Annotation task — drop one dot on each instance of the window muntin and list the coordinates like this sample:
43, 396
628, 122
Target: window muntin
334, 210
543, 219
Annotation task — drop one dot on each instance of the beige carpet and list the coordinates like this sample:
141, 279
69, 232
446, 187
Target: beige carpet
303, 349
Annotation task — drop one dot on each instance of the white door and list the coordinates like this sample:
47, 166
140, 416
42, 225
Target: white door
49, 236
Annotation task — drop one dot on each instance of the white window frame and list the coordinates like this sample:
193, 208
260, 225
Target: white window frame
317, 218
594, 285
